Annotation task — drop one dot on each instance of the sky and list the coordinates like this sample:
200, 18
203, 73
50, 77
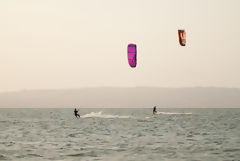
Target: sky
57, 44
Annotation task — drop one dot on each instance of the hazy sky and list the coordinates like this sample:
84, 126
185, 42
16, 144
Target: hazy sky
48, 44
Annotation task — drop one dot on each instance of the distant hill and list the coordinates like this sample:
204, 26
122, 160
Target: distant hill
209, 97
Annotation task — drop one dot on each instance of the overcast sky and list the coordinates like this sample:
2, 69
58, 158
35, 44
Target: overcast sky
51, 44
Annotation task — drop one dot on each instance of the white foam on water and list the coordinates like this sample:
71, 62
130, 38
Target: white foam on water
172, 113
101, 115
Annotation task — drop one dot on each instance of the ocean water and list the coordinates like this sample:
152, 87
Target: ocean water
120, 135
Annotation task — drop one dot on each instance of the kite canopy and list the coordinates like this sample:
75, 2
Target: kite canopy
132, 55
182, 37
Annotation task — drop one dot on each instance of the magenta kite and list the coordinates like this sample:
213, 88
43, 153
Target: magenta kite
132, 55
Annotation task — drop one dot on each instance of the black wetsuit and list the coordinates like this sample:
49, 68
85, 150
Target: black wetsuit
76, 113
154, 110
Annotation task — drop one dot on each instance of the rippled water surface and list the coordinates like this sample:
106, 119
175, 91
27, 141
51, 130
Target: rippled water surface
120, 134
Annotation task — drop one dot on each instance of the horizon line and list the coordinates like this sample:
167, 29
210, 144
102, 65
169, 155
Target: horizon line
118, 87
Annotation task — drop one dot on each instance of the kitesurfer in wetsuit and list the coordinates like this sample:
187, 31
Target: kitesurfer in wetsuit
154, 110
76, 113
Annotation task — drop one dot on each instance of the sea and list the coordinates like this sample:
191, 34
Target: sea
120, 134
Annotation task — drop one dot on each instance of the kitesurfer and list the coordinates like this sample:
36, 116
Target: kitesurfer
76, 113
154, 110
